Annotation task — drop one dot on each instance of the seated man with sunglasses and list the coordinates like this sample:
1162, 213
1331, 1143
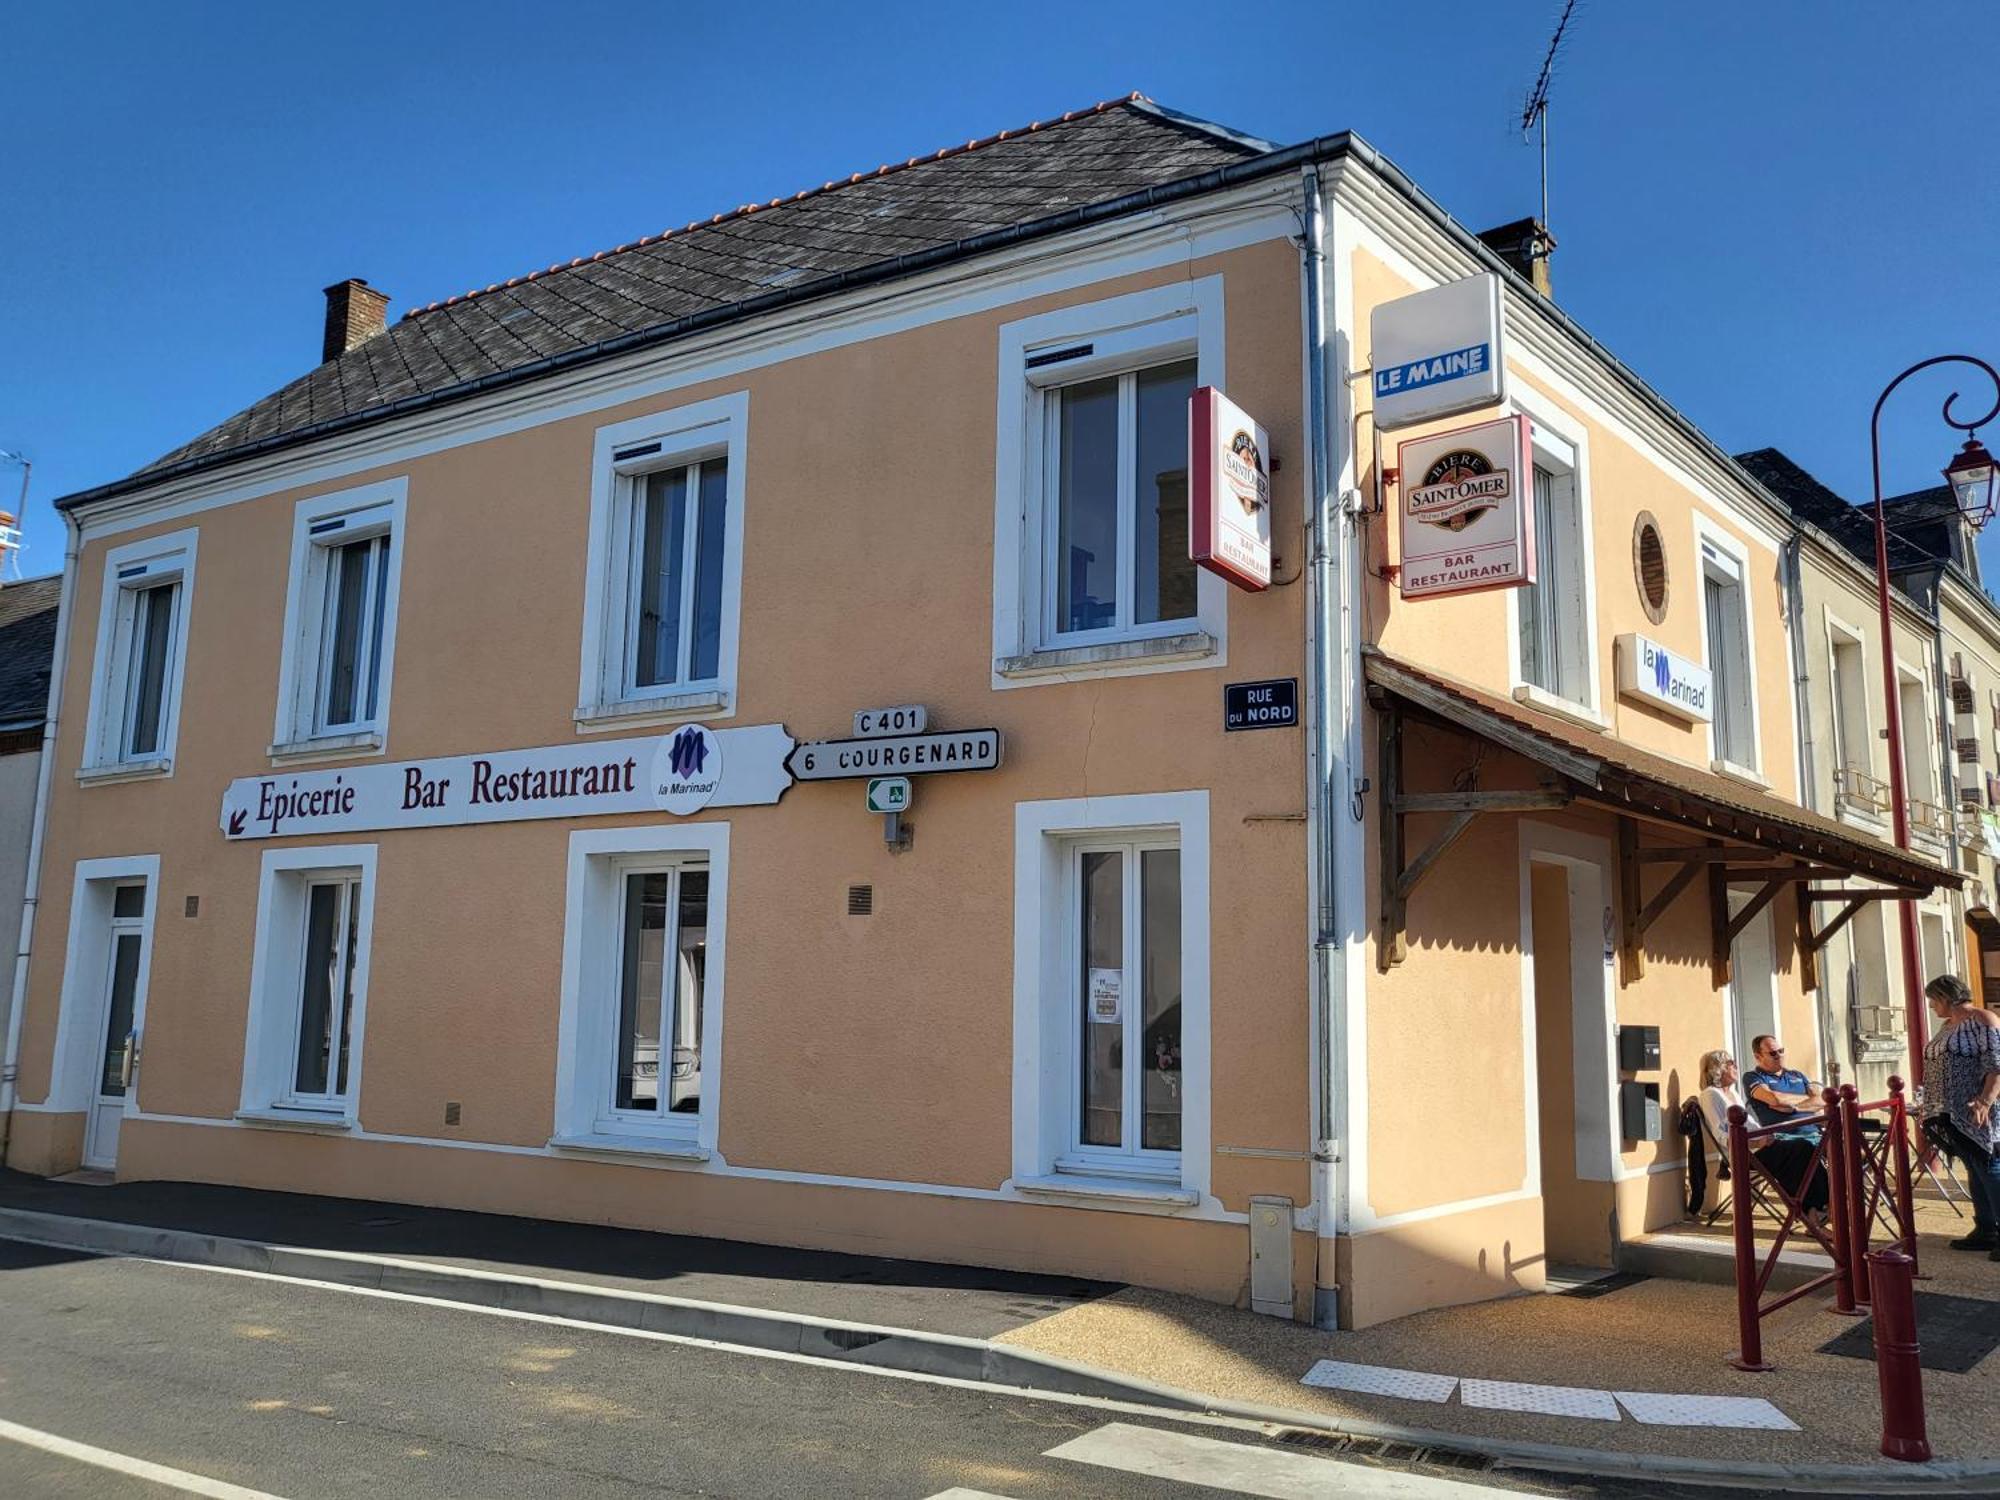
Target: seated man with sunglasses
1776, 1093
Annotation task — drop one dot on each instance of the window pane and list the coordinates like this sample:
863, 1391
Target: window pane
1165, 586
152, 638
128, 901
347, 597
1541, 616
1104, 999
707, 653
124, 985
379, 599
1086, 558
690, 976
638, 1060
1160, 956
1724, 605
662, 542
352, 946
316, 1019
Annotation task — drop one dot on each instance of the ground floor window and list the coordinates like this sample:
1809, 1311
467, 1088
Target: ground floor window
1127, 938
642, 989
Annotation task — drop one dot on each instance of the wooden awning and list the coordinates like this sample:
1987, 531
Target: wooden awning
1696, 822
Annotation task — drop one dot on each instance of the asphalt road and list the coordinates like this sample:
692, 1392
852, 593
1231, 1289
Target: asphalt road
299, 1391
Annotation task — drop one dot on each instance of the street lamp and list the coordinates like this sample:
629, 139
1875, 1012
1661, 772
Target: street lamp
1971, 477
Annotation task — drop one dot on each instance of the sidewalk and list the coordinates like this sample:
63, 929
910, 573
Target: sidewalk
1629, 1336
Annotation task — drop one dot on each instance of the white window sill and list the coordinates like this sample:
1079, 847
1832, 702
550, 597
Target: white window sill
626, 1147
669, 708
1192, 645
280, 1117
1530, 696
1110, 1192
1743, 774
125, 770
1861, 817
326, 746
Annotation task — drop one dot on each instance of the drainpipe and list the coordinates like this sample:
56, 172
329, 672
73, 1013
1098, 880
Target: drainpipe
1324, 805
58, 664
1795, 610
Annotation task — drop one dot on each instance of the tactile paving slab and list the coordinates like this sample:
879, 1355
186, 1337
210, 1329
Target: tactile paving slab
1379, 1380
1953, 1333
1550, 1400
1657, 1409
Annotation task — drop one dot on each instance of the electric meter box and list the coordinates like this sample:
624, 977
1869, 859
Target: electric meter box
1639, 1050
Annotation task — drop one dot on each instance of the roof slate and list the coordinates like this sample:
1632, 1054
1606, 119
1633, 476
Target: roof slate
27, 646
1920, 523
928, 203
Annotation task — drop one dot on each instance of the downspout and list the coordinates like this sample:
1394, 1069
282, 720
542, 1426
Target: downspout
1795, 611
58, 664
1323, 804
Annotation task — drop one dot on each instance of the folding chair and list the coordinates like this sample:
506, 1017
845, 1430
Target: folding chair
1759, 1198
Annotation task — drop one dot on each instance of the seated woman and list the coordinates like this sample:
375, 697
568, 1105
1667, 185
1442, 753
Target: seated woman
1785, 1158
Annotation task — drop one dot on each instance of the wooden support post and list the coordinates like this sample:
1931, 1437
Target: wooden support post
1389, 948
1755, 904
1631, 929
1718, 925
1664, 896
1808, 949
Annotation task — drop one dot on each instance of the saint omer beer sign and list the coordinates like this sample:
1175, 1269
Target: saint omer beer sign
1466, 519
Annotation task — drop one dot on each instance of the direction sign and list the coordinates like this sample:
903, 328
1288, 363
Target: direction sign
903, 718
835, 760
889, 794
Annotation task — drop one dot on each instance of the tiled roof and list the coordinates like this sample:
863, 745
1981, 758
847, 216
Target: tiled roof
1920, 525
27, 645
923, 204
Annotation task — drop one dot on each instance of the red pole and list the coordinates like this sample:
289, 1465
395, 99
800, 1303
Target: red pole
1899, 1147
1896, 1358
1857, 1190
1749, 1353
1836, 1205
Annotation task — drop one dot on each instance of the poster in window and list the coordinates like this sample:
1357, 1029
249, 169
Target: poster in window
1467, 521
1229, 495
1106, 998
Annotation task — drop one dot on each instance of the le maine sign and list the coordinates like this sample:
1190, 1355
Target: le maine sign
680, 772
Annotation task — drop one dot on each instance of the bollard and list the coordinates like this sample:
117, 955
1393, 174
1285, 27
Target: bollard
1896, 1349
1857, 1190
1836, 1205
1899, 1162
1749, 1353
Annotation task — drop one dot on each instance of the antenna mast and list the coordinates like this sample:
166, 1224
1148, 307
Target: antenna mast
1535, 114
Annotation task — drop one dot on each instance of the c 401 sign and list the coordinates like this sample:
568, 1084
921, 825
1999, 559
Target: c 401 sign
896, 755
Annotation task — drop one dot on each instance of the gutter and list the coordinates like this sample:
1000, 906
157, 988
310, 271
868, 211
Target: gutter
1795, 617
31, 899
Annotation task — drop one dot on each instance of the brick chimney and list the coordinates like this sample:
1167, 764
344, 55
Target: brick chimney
355, 313
1526, 245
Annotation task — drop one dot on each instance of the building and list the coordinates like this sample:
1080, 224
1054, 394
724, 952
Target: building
449, 733
28, 612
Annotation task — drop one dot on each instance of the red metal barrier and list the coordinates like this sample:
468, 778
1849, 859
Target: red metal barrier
1897, 1369
1746, 1173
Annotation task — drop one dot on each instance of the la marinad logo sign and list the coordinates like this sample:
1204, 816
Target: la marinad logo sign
680, 772
1665, 680
1466, 522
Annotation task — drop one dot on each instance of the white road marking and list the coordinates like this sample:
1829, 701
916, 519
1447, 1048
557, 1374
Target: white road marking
1549, 1400
138, 1468
1659, 1410
965, 1494
1379, 1380
1244, 1470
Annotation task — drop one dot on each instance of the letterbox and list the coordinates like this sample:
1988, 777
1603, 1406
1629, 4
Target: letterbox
1638, 1049
1639, 1111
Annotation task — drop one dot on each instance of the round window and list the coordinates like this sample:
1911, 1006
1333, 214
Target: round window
1649, 566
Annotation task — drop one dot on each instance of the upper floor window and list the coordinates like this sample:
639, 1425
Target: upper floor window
1553, 611
141, 658
1857, 790
1091, 566
340, 621
1725, 615
665, 571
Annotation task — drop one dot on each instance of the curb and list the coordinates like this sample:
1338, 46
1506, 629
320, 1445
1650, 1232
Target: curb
951, 1356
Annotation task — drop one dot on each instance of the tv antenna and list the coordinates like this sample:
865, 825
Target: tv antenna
10, 523
1535, 113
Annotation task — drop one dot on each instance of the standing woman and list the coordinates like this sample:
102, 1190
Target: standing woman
1962, 1086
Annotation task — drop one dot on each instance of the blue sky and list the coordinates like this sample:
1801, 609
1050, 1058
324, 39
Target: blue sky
1767, 210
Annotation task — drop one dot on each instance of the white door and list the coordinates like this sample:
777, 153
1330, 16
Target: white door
120, 989
1752, 996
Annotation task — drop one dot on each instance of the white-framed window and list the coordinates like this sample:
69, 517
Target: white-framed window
1091, 568
1111, 1007
309, 985
1556, 650
140, 663
663, 592
640, 1046
340, 622
1726, 644
1858, 792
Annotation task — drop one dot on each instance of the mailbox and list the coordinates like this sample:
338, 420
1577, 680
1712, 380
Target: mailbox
1639, 1050
1639, 1111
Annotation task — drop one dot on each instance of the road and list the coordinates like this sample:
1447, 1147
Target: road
297, 1390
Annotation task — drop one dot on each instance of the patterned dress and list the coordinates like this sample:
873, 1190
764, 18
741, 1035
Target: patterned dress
1956, 1062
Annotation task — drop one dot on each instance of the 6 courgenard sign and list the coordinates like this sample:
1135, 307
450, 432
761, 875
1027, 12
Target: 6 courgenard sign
1467, 523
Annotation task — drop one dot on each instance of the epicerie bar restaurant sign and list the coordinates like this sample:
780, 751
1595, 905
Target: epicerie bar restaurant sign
1466, 521
1229, 504
679, 772
1437, 353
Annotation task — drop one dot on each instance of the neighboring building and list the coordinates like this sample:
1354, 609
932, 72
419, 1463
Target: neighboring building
27, 646
417, 833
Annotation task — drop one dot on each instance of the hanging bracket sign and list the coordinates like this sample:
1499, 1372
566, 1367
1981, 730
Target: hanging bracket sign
1229, 499
1436, 353
1466, 521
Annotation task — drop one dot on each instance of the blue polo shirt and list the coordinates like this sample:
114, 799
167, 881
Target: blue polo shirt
1786, 1081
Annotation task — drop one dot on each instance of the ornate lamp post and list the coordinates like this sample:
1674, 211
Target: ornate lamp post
1971, 476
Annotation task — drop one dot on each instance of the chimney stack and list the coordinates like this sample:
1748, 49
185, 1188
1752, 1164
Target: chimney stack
1526, 245
355, 313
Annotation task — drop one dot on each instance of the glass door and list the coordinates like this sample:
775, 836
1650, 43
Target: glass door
116, 1043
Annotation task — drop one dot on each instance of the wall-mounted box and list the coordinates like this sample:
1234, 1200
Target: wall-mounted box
1639, 1111
1638, 1049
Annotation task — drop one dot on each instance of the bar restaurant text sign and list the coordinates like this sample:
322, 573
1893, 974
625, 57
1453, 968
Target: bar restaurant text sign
1229, 504
1467, 520
681, 771
1436, 353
